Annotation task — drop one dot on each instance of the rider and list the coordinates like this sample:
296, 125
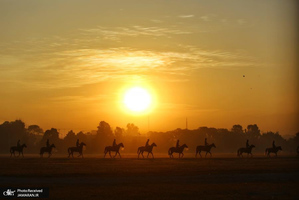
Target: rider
247, 144
178, 144
273, 144
18, 144
146, 144
114, 143
206, 143
77, 143
48, 143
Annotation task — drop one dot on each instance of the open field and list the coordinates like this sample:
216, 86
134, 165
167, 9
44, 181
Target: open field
225, 177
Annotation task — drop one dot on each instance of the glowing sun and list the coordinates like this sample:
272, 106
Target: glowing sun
137, 99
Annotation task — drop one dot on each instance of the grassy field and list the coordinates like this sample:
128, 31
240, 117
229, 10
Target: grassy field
224, 177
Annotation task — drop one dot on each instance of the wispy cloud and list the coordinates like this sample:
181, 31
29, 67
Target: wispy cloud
116, 33
186, 16
59, 62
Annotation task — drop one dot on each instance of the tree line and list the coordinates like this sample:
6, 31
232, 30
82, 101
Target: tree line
227, 141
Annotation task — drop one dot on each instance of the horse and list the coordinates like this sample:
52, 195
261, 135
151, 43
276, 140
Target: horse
113, 148
148, 149
18, 149
46, 149
204, 148
78, 149
245, 150
177, 150
273, 150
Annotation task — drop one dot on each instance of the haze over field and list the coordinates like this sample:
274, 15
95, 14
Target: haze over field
68, 64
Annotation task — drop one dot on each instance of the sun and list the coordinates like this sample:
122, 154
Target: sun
137, 99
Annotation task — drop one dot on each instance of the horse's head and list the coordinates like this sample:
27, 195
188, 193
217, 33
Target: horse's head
251, 146
121, 144
53, 146
24, 145
184, 146
82, 144
213, 145
154, 145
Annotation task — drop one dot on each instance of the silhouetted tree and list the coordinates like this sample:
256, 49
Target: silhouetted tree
82, 136
35, 130
119, 132
237, 129
253, 131
132, 130
70, 138
104, 130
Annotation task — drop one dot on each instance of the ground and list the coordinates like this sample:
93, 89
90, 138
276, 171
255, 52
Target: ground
93, 177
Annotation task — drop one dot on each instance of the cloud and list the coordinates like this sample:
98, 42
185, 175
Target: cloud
116, 33
63, 62
208, 17
186, 16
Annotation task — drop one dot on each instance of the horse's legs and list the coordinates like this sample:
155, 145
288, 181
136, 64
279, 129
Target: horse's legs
152, 154
206, 154
182, 154
22, 154
119, 154
210, 154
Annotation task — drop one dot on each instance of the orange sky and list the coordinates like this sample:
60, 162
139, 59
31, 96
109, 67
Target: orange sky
65, 64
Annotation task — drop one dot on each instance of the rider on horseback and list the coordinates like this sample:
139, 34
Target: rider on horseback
77, 143
206, 143
146, 144
247, 144
177, 144
114, 143
18, 144
273, 144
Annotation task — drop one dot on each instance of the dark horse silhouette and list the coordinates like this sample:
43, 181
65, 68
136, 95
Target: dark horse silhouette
18, 149
272, 150
116, 148
46, 149
78, 149
148, 149
245, 150
177, 150
207, 148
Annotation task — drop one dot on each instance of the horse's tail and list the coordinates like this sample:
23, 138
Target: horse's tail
169, 152
105, 150
69, 150
138, 150
41, 151
266, 151
238, 152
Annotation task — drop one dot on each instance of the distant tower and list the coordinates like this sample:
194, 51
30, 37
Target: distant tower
186, 123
